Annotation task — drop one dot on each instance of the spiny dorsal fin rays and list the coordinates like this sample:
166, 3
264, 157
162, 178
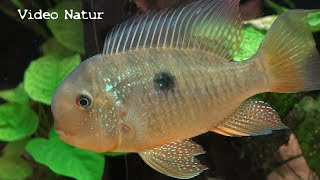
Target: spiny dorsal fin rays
209, 25
198, 18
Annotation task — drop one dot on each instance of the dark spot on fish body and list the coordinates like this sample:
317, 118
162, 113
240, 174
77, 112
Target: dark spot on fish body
164, 81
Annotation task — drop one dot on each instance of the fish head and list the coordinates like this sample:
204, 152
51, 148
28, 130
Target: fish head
85, 116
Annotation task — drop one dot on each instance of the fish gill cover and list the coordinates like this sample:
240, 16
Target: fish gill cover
26, 121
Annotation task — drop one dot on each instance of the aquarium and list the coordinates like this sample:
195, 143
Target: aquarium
159, 89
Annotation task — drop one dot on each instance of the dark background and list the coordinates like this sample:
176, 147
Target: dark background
20, 45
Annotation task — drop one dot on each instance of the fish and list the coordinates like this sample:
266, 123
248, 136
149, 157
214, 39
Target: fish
169, 75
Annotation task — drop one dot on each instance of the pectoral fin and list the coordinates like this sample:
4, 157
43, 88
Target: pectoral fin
176, 159
252, 118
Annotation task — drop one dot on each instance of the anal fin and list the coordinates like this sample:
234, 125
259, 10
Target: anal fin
252, 118
176, 159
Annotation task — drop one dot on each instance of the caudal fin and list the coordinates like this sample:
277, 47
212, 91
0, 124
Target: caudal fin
290, 55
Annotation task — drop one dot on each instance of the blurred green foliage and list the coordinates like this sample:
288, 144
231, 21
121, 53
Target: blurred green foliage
19, 117
314, 21
65, 159
24, 123
308, 132
17, 121
17, 95
251, 40
67, 31
12, 166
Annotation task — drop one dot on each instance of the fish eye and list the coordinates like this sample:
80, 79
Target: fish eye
84, 101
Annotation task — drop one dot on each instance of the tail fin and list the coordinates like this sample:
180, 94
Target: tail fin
290, 56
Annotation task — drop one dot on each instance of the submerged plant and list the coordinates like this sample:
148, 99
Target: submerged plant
26, 121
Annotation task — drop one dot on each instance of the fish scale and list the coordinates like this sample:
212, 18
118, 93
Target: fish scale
193, 85
194, 78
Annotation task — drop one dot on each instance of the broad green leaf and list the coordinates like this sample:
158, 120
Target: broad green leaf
52, 134
43, 76
53, 47
66, 160
17, 95
308, 132
68, 32
13, 167
16, 122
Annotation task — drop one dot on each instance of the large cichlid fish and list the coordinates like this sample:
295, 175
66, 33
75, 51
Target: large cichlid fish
168, 76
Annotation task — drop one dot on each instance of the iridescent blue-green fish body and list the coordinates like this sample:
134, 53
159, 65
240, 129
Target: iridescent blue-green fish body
168, 76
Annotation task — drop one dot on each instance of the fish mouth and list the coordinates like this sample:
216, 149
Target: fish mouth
63, 136
61, 133
67, 138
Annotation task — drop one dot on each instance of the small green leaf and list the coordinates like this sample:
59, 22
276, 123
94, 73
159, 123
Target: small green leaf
43, 76
16, 122
66, 160
314, 21
68, 32
53, 47
12, 167
17, 95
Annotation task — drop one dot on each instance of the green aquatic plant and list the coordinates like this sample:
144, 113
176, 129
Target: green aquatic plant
12, 166
308, 131
73, 162
44, 74
23, 118
26, 121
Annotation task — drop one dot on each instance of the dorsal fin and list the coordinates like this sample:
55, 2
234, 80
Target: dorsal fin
210, 25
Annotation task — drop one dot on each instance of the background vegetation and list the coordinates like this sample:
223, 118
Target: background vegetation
31, 149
